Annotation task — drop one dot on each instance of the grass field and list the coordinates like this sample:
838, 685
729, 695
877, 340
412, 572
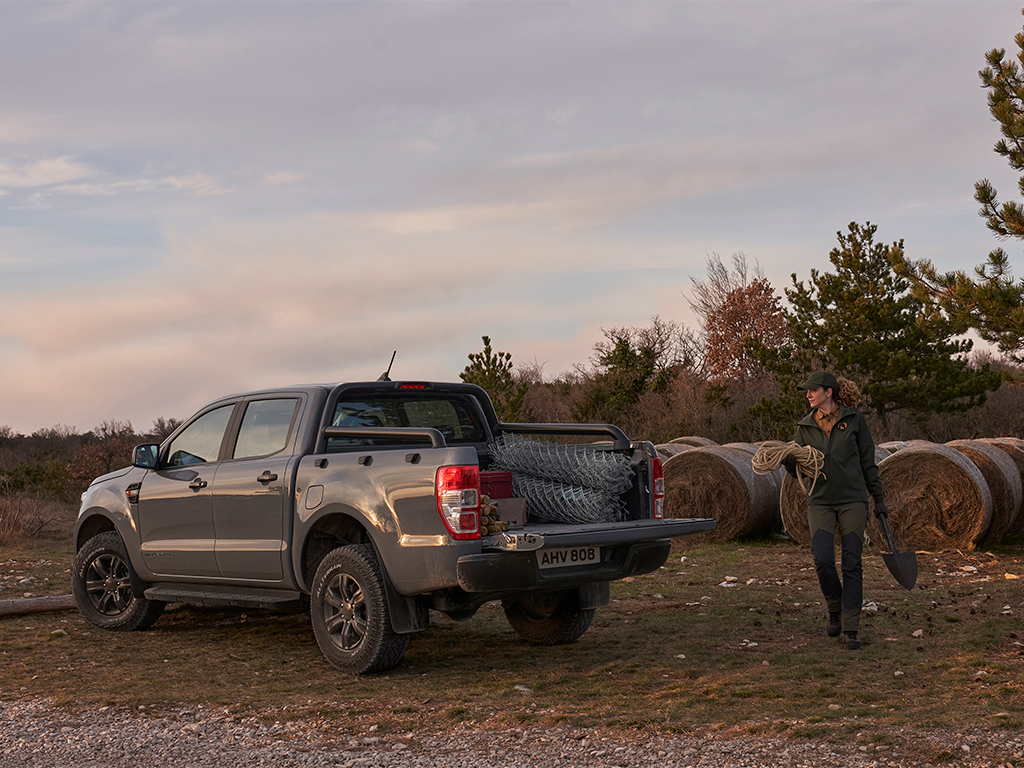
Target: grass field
723, 637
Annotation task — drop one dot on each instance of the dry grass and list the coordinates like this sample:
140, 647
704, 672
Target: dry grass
25, 516
731, 638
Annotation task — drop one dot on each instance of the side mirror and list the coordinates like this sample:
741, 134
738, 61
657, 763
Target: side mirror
146, 456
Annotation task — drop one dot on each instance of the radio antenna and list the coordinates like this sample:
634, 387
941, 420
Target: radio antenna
385, 376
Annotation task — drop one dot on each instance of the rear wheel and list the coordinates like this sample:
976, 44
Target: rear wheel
349, 611
102, 587
549, 618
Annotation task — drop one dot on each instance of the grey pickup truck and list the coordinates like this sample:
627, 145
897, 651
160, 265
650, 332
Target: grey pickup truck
366, 501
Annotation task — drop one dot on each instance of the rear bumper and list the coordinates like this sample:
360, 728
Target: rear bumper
626, 550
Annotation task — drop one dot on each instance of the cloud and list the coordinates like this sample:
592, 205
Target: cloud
283, 178
23, 129
43, 173
200, 183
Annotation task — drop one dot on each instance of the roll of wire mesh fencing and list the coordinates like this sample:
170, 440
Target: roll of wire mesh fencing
565, 483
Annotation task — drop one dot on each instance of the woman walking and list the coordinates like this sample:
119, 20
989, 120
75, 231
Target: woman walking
838, 500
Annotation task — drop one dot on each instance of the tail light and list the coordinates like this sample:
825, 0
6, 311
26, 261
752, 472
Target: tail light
657, 488
457, 490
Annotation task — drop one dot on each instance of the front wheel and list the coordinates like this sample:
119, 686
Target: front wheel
349, 611
101, 584
549, 618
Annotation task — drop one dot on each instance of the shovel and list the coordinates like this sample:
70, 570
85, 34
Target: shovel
902, 565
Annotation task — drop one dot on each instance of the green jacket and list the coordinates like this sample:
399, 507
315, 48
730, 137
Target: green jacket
850, 472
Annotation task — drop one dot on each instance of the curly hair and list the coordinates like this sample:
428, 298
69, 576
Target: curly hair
848, 393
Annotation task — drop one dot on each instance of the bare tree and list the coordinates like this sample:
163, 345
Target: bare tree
162, 428
735, 308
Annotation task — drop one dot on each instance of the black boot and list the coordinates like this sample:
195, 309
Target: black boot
852, 642
835, 624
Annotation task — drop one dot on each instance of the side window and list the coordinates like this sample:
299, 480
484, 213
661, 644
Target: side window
200, 442
265, 427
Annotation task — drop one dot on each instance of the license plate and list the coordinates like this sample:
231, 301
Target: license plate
564, 557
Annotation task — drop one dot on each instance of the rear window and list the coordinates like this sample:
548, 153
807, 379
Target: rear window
452, 417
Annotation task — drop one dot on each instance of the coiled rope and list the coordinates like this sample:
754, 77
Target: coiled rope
809, 461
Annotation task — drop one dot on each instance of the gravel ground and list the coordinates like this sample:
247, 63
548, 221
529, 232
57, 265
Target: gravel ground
35, 735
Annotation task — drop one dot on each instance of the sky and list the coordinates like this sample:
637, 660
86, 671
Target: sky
201, 198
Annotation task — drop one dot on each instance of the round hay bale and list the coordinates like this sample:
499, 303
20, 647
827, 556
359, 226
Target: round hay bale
719, 482
1016, 454
668, 450
748, 447
894, 445
778, 477
1012, 441
937, 499
793, 510
1003, 480
696, 442
793, 505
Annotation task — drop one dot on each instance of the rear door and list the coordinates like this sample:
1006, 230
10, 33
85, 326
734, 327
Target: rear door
250, 496
175, 501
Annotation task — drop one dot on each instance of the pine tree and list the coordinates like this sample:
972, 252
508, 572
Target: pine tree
990, 301
864, 322
493, 372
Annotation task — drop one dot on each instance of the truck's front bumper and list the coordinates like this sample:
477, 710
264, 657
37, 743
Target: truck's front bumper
627, 549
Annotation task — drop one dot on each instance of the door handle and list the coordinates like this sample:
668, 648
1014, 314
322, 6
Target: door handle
197, 484
267, 477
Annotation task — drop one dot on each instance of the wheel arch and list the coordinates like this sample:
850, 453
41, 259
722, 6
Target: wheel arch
329, 531
96, 523
342, 527
91, 525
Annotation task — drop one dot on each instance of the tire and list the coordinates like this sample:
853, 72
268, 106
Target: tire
349, 611
549, 618
102, 588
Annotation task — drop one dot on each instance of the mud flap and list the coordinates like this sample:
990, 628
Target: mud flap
596, 595
408, 614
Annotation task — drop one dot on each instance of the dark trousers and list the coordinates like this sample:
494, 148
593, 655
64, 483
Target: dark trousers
849, 520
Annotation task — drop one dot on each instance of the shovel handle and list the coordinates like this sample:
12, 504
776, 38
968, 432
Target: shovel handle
888, 534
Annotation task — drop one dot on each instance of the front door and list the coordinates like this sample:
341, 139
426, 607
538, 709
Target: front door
176, 500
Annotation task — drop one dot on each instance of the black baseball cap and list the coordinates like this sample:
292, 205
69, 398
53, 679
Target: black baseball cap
821, 379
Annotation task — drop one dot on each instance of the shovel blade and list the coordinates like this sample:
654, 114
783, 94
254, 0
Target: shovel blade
903, 567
